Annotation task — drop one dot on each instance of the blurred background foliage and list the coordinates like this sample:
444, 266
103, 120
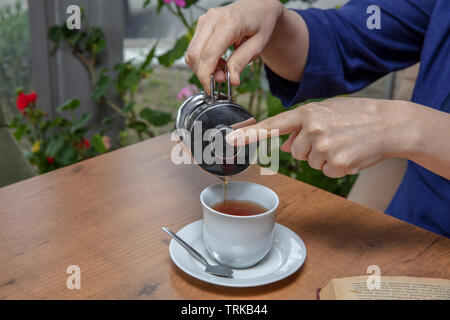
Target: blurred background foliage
253, 93
14, 53
144, 93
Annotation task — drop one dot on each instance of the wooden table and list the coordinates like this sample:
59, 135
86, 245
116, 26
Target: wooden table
105, 215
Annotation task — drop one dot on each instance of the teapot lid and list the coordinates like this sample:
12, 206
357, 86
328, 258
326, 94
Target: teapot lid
212, 124
208, 119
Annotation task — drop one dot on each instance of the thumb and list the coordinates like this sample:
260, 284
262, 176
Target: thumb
283, 123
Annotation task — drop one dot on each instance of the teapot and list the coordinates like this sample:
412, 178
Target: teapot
202, 123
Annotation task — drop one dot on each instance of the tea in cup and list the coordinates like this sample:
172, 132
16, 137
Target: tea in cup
238, 232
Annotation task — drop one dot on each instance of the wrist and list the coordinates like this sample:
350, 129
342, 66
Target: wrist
406, 117
287, 49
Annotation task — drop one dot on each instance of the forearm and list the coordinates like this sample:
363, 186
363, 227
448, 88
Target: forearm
287, 49
427, 140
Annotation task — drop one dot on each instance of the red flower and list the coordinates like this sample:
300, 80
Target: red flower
84, 144
50, 160
24, 100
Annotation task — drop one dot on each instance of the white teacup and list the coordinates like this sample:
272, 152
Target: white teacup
238, 241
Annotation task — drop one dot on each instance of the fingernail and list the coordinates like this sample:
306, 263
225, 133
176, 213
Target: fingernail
237, 80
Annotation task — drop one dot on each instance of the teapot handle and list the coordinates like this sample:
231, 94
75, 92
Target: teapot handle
213, 96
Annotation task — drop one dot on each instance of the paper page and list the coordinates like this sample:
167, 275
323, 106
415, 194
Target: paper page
398, 288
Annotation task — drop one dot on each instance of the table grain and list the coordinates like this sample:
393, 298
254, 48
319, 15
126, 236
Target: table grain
105, 215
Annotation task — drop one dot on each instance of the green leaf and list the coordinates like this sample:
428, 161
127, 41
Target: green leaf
97, 143
128, 78
160, 5
56, 122
190, 3
132, 80
33, 158
120, 66
102, 87
95, 36
69, 105
249, 81
97, 47
77, 37
16, 121
139, 126
68, 155
149, 58
19, 90
129, 107
108, 120
175, 53
103, 131
80, 133
156, 117
20, 132
55, 33
54, 146
194, 80
80, 123
274, 105
43, 127
250, 86
123, 134
146, 3
18, 6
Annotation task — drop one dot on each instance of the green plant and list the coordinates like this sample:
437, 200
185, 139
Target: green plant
14, 48
56, 142
258, 100
113, 88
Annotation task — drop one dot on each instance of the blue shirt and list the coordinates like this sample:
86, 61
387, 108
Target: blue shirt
345, 56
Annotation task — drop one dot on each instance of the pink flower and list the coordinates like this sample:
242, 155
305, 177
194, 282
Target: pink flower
107, 142
180, 3
187, 92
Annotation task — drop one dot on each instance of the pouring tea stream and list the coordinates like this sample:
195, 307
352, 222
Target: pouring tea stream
202, 123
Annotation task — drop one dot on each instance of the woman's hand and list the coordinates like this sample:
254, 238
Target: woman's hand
253, 27
345, 135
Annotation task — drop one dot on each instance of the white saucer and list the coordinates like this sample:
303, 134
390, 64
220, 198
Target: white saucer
287, 255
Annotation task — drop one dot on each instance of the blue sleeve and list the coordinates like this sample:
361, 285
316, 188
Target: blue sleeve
345, 55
